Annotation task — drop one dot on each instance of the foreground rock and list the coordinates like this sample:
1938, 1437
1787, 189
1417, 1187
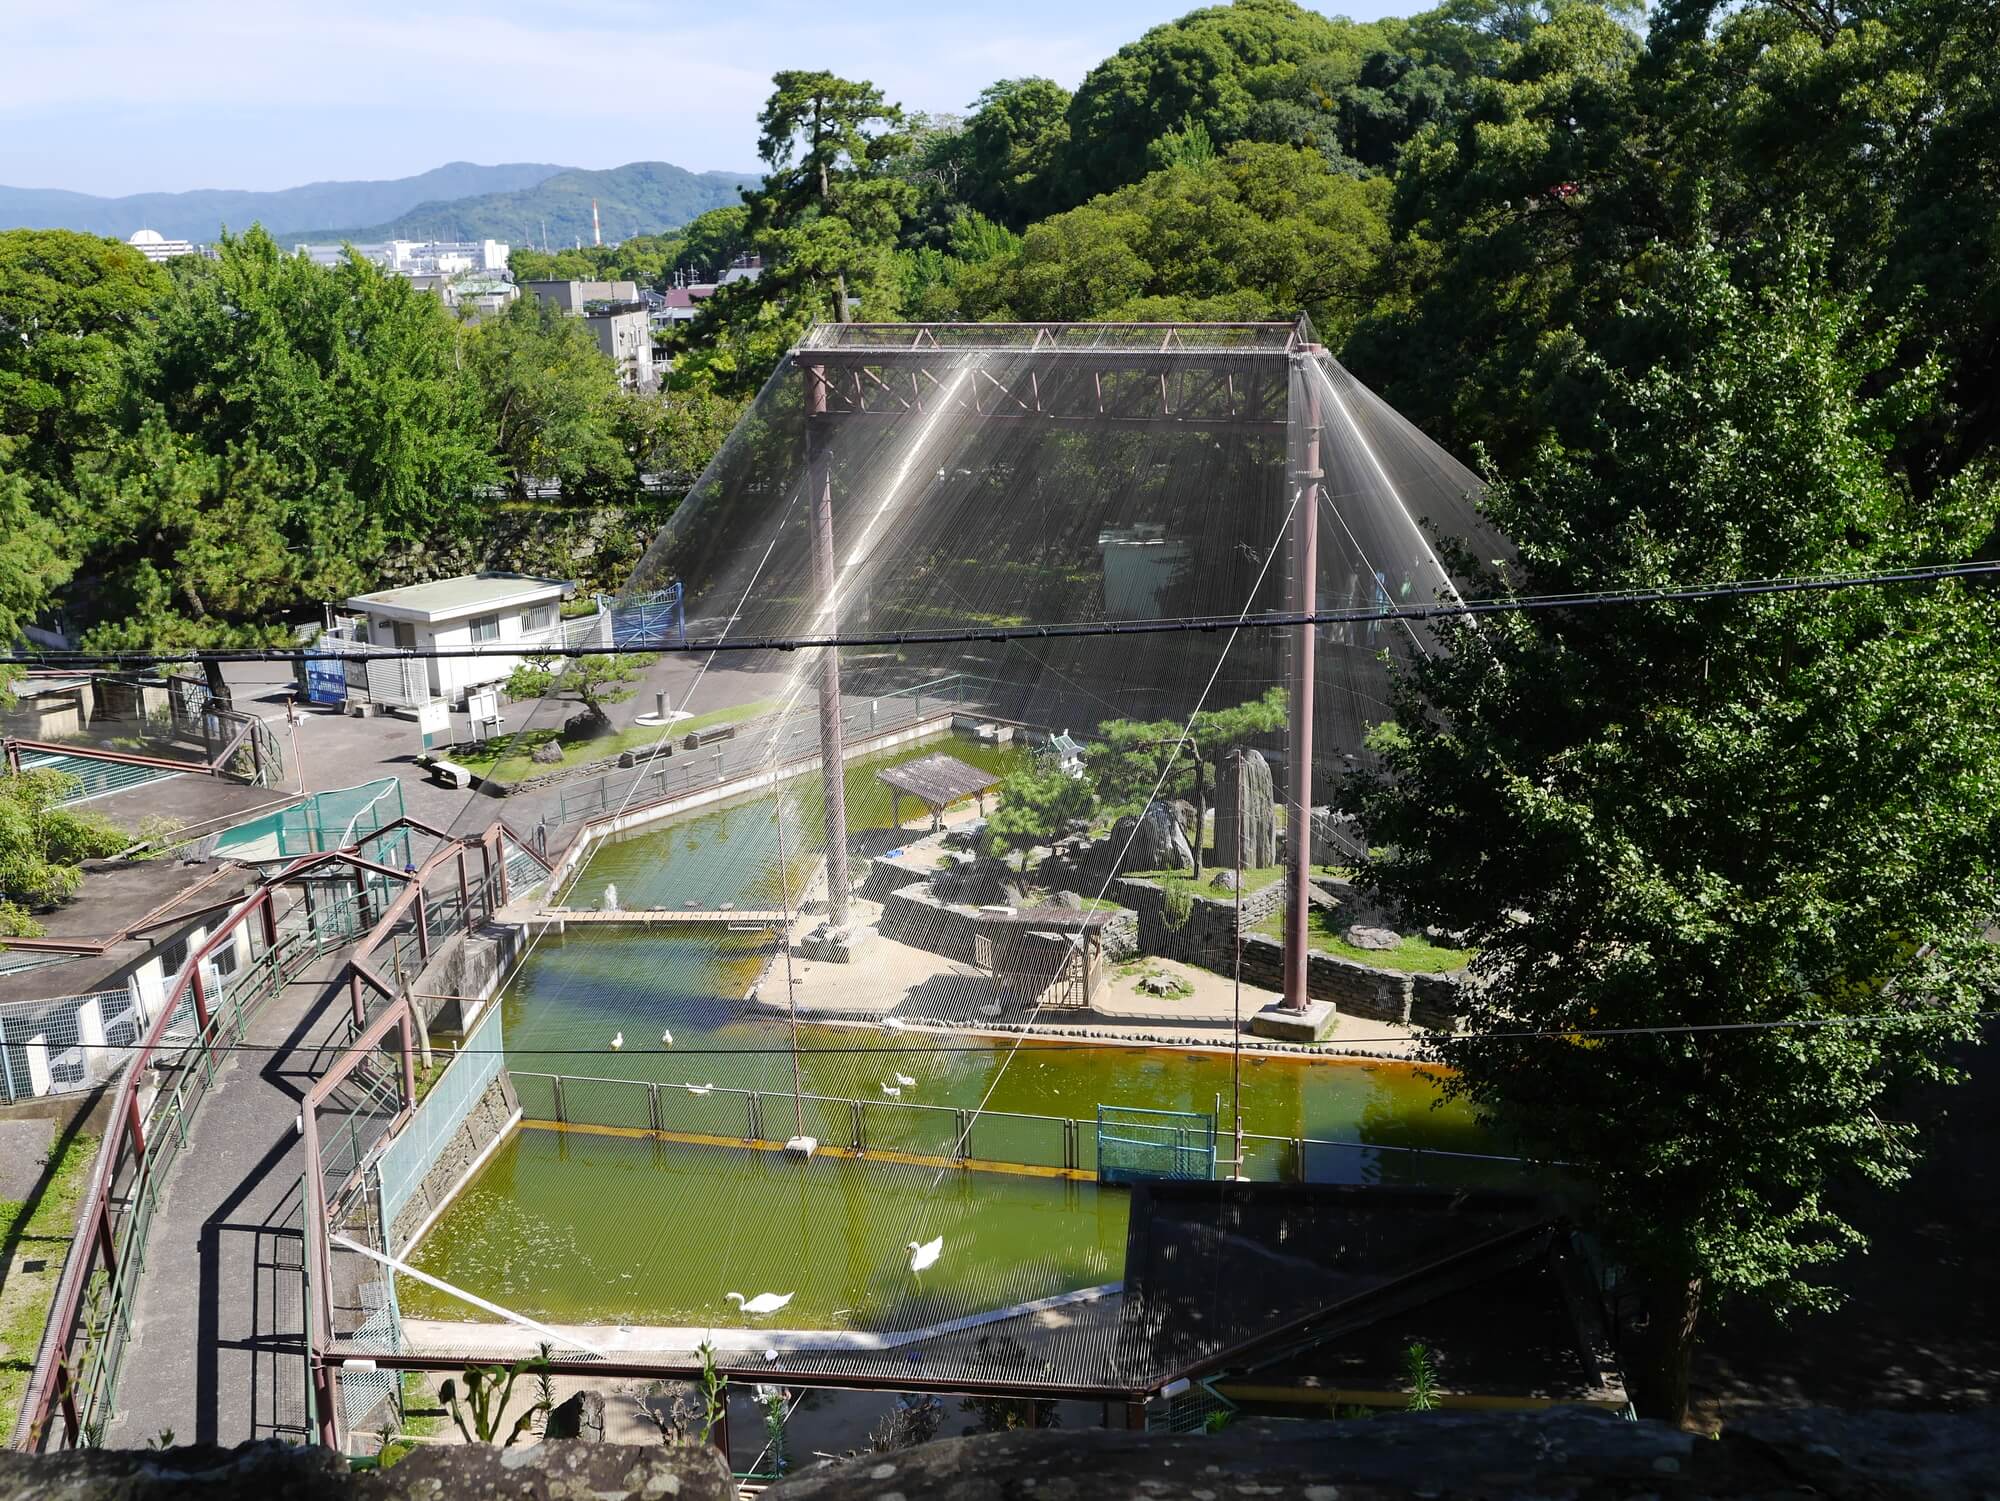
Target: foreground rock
1562, 1455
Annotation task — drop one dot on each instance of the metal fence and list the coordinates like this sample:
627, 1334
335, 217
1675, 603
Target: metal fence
413, 1151
897, 1130
65, 1044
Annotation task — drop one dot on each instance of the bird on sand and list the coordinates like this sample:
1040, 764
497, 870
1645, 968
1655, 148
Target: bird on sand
666, 1037
618, 1042
925, 1255
905, 1080
763, 1303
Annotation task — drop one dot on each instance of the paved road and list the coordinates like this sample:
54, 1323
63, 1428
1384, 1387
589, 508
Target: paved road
218, 1354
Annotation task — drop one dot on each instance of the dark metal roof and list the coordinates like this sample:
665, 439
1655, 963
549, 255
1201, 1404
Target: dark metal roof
938, 779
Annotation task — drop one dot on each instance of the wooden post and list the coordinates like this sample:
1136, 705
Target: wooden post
423, 924
354, 996
464, 892
409, 1060
200, 999
136, 1126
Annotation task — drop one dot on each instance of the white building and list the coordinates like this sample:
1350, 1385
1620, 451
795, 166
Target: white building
155, 246
491, 611
417, 257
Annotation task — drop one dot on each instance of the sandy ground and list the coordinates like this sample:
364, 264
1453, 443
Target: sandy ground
928, 990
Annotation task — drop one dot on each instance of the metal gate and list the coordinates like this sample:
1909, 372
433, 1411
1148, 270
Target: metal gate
657, 616
1133, 1144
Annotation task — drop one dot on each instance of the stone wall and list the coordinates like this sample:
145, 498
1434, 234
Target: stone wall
484, 1124
469, 964
917, 916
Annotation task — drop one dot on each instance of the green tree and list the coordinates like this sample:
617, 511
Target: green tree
1014, 141
1131, 758
42, 847
593, 681
1203, 66
553, 405
1036, 800
708, 244
1263, 232
1720, 814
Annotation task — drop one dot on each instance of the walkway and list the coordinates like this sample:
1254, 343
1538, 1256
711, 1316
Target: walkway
218, 1348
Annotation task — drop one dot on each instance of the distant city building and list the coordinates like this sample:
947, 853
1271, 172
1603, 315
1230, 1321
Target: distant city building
470, 294
418, 257
617, 315
155, 246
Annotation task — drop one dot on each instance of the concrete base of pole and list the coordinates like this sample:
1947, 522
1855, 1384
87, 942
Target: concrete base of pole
1314, 1024
802, 1146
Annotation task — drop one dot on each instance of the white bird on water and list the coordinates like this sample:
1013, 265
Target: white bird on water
700, 1088
666, 1037
925, 1255
618, 1042
905, 1080
763, 1303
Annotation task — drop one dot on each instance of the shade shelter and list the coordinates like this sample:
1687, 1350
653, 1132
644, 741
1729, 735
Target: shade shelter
937, 781
1046, 954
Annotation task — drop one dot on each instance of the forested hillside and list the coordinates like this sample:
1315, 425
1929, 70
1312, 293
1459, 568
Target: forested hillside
637, 198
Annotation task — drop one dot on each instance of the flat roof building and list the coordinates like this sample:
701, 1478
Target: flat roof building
494, 610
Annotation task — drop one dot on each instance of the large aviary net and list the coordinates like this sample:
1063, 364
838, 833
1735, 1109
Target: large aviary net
1066, 892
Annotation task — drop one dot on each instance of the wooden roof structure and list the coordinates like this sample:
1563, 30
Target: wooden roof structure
938, 780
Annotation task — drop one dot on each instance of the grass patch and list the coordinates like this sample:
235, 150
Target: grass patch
1415, 955
41, 1232
509, 758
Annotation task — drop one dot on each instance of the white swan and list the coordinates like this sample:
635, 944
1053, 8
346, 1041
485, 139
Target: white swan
699, 1088
618, 1042
666, 1037
892, 1091
762, 1304
905, 1080
925, 1255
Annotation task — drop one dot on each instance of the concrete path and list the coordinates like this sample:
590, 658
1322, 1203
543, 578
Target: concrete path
218, 1349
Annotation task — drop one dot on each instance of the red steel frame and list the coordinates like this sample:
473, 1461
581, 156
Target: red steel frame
52, 1383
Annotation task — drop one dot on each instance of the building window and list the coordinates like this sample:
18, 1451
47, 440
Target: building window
537, 618
485, 628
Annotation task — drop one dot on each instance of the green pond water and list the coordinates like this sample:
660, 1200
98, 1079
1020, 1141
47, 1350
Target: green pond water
602, 1228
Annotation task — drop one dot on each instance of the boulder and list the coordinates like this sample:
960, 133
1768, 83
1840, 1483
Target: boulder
1336, 838
1372, 938
548, 753
586, 724
1068, 900
1224, 880
1243, 791
1152, 841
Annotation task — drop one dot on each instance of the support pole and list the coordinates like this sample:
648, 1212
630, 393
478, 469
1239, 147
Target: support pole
832, 753
1305, 596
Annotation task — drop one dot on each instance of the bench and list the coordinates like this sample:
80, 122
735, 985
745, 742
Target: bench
696, 739
450, 773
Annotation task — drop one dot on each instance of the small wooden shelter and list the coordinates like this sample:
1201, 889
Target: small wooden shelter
937, 781
1049, 954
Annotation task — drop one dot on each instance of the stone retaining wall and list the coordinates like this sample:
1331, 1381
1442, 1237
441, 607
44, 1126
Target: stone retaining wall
918, 917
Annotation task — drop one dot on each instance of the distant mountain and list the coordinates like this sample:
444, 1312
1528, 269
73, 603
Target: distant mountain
201, 215
637, 198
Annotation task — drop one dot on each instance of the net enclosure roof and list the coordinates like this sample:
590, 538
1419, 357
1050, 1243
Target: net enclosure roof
938, 779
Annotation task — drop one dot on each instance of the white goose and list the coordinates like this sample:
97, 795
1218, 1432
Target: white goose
700, 1088
894, 1024
618, 1042
925, 1255
892, 1091
762, 1304
666, 1037
905, 1080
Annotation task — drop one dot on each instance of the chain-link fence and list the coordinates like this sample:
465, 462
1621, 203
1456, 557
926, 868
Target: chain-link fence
65, 1044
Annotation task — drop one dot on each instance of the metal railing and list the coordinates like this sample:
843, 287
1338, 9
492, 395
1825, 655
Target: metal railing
898, 1128
204, 1013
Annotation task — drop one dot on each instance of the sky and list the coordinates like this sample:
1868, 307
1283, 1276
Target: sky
127, 96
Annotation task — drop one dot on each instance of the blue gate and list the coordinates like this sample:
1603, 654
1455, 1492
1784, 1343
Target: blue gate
656, 616
1133, 1144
